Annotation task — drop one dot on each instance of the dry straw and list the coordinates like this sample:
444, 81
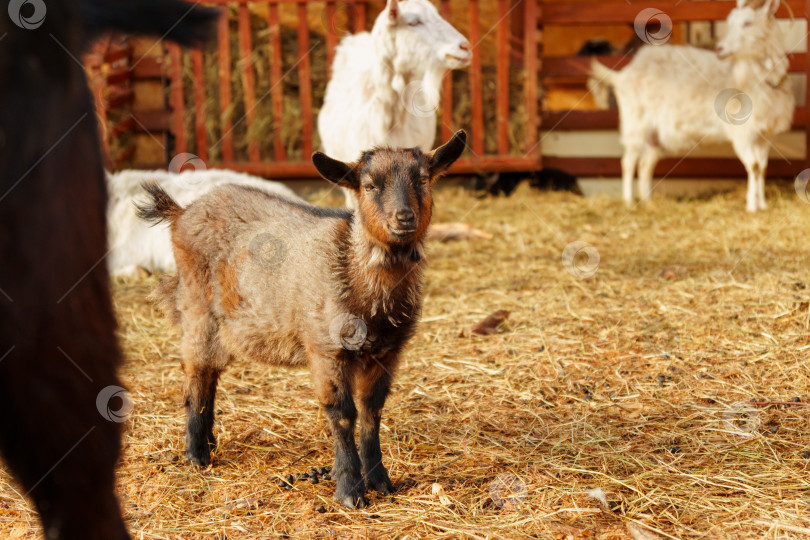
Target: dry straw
614, 406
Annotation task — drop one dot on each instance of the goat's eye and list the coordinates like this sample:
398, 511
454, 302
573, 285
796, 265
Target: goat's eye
424, 180
747, 24
414, 22
370, 187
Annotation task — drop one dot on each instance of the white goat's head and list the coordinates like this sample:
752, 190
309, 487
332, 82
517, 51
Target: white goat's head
752, 33
421, 39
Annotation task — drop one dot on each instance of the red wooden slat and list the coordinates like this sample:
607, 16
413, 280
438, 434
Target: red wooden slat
502, 78
447, 87
149, 67
530, 66
671, 167
359, 17
177, 100
476, 84
248, 78
198, 76
151, 120
304, 79
807, 94
225, 97
612, 12
609, 119
351, 15
331, 33
276, 89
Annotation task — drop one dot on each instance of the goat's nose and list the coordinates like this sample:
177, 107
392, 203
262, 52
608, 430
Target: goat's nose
405, 215
465, 46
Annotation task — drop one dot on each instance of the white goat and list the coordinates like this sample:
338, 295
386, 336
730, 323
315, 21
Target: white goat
672, 98
133, 243
386, 84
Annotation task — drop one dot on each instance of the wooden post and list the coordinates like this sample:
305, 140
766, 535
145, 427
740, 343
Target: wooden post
502, 77
447, 88
225, 97
476, 84
276, 88
304, 80
530, 32
177, 100
248, 78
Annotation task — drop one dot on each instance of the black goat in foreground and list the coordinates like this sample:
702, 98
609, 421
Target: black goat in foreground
58, 351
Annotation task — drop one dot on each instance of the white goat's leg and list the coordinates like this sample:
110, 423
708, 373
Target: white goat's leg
646, 167
746, 151
762, 167
629, 160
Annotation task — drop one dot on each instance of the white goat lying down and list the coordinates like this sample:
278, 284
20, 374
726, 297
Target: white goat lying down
133, 243
386, 84
671, 98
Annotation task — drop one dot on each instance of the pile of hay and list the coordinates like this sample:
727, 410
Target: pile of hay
652, 399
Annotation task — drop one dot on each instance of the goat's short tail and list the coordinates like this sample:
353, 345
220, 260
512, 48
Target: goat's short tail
599, 83
162, 208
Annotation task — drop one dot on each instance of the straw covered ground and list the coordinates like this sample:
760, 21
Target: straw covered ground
667, 380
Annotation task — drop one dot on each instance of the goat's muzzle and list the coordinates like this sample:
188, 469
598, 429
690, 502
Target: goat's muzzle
404, 225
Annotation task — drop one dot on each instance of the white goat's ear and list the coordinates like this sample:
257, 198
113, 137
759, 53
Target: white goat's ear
392, 10
342, 174
771, 6
445, 155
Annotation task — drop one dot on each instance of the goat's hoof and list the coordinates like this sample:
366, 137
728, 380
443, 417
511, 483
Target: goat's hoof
352, 500
199, 459
380, 483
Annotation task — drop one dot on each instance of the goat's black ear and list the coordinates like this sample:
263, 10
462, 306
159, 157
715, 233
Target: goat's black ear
336, 171
445, 155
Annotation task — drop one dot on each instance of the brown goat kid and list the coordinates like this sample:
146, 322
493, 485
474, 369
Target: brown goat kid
293, 284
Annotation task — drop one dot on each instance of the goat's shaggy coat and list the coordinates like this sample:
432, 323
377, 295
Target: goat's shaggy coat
672, 98
57, 327
289, 283
133, 243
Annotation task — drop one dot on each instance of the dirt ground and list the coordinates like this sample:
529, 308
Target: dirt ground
670, 380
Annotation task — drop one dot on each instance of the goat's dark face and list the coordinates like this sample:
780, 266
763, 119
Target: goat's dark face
393, 187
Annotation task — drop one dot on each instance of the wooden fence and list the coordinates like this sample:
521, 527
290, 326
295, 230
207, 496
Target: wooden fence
188, 119
257, 69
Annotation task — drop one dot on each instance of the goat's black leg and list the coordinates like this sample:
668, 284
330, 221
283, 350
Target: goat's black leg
372, 387
201, 389
334, 393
